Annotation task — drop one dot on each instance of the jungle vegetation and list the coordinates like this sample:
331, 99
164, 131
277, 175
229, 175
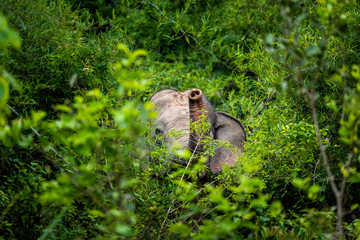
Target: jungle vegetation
77, 149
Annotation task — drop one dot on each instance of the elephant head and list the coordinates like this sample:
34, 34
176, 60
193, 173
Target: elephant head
177, 109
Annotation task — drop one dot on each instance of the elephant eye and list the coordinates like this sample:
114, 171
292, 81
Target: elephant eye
158, 132
159, 135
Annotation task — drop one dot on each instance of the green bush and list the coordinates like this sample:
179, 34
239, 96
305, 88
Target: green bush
78, 155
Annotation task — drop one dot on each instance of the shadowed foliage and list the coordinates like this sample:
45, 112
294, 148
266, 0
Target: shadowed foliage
79, 154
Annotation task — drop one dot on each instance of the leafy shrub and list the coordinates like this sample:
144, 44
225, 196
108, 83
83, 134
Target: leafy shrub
79, 159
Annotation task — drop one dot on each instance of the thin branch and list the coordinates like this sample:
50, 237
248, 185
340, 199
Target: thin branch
265, 105
322, 148
108, 176
182, 177
50, 147
316, 165
344, 102
339, 194
187, 34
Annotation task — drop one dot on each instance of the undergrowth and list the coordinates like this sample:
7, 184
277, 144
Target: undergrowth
79, 158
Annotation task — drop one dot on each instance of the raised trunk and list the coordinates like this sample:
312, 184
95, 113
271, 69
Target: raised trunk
196, 107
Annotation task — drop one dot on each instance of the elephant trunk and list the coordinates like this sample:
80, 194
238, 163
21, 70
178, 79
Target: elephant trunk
196, 107
196, 104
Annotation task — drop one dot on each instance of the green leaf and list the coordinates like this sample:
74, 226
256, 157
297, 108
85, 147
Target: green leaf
7, 35
312, 50
275, 208
354, 178
187, 39
123, 229
63, 108
355, 73
269, 38
4, 90
301, 183
313, 191
181, 229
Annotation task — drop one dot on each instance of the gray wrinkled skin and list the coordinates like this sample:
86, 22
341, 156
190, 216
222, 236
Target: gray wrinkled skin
173, 113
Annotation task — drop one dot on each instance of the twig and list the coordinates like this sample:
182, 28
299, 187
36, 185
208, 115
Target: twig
265, 105
301, 70
182, 177
188, 35
316, 165
108, 176
50, 147
339, 193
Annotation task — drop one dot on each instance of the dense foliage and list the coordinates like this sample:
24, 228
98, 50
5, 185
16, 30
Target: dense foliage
78, 155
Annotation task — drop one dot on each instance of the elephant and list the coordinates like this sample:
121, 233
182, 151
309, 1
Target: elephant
177, 109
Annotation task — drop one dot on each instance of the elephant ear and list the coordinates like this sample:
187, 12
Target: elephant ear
227, 129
